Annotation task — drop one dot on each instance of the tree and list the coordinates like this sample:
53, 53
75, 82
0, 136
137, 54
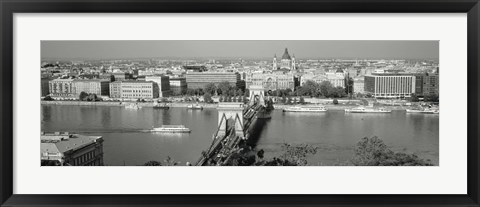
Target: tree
224, 87
302, 100
374, 152
92, 97
83, 96
190, 92
207, 98
414, 98
48, 98
239, 92
325, 88
210, 88
431, 97
153, 163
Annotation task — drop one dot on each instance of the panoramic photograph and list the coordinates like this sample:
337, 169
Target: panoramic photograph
239, 103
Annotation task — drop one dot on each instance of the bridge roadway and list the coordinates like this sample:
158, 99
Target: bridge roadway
224, 145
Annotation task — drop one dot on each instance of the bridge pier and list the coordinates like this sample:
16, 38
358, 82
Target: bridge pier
230, 114
257, 92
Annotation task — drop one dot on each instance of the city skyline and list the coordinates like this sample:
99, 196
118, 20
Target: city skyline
302, 49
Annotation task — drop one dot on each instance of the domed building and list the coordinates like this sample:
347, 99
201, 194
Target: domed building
287, 62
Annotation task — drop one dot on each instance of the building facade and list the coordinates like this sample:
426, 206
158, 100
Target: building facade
287, 62
271, 81
138, 89
390, 85
61, 88
178, 86
163, 84
201, 79
359, 85
65, 149
98, 86
115, 89
44, 87
431, 84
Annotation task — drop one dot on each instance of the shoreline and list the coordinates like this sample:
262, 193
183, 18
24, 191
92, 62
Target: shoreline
205, 105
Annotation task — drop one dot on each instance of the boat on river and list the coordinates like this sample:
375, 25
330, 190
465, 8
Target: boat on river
367, 110
157, 105
172, 129
195, 107
423, 111
133, 106
305, 109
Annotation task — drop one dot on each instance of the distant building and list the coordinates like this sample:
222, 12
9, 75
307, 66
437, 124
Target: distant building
195, 68
431, 84
271, 81
390, 85
134, 89
358, 85
163, 84
337, 79
178, 85
287, 62
107, 76
201, 79
61, 88
95, 86
121, 76
115, 89
44, 87
64, 149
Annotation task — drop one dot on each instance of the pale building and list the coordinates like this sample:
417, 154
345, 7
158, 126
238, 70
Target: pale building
197, 80
138, 89
390, 85
96, 86
163, 84
65, 149
115, 89
271, 81
337, 79
61, 87
359, 85
287, 62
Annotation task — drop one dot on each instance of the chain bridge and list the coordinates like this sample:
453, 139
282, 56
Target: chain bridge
236, 122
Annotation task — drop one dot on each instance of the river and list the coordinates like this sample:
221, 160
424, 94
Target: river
335, 133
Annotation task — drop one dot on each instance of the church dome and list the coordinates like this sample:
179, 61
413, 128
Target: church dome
285, 55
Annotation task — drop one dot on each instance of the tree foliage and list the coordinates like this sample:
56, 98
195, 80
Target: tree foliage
374, 152
207, 98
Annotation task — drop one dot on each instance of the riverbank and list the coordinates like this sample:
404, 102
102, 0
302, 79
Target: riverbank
205, 105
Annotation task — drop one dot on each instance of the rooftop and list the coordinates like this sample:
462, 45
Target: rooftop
60, 143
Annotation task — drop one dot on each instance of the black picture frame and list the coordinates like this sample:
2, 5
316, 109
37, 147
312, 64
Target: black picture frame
10, 7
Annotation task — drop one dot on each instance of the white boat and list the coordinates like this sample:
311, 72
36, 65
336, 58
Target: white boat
157, 105
133, 106
367, 110
305, 109
422, 111
196, 106
172, 129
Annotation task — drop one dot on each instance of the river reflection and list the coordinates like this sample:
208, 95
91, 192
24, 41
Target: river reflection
127, 140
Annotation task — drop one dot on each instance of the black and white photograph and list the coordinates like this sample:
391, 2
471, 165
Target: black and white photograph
239, 103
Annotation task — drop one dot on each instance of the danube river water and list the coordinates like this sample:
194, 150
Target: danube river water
335, 133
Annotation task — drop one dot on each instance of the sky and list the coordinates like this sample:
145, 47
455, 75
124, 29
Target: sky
302, 49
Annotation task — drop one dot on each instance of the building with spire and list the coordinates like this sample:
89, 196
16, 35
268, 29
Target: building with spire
287, 62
